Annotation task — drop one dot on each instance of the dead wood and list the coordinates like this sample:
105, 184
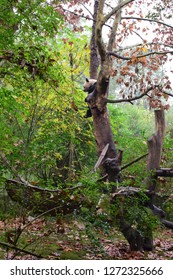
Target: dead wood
155, 143
41, 200
164, 172
20, 250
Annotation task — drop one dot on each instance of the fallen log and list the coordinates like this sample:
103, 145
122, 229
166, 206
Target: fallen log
41, 200
164, 172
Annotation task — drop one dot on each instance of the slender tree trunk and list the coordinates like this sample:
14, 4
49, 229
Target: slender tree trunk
155, 143
94, 56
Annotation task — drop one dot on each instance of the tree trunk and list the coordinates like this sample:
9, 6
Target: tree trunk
97, 102
136, 241
94, 57
102, 129
155, 143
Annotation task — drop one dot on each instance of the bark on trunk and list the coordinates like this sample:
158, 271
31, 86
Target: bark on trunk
103, 132
96, 101
155, 143
136, 241
94, 57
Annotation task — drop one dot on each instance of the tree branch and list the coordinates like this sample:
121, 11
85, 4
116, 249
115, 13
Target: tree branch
114, 30
142, 44
134, 161
99, 25
147, 19
131, 99
139, 96
115, 10
138, 56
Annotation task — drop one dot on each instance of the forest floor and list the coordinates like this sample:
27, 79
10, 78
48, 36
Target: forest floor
61, 239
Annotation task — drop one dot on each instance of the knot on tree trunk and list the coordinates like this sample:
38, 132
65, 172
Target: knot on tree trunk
112, 167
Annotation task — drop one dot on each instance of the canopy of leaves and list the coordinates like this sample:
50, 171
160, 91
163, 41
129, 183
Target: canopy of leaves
42, 105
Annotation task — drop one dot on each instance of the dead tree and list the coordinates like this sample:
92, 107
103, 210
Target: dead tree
155, 144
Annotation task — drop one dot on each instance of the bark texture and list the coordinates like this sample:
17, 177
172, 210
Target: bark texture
155, 144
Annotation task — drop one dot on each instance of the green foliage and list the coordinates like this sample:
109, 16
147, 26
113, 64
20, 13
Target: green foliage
133, 210
132, 126
28, 20
42, 104
44, 136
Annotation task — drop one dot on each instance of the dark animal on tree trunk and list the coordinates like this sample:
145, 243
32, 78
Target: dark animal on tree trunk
89, 86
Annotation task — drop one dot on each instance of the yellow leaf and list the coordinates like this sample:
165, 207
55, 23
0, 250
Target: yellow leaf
144, 48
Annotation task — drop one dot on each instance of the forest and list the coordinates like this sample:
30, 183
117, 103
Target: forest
86, 130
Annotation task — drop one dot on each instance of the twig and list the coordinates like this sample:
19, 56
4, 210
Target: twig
39, 216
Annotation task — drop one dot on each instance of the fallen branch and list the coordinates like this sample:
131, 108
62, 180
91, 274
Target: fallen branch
164, 172
167, 224
20, 250
42, 200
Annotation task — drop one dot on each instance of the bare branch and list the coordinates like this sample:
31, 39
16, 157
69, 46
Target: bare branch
87, 10
138, 35
134, 161
142, 44
87, 17
147, 19
126, 100
139, 96
139, 56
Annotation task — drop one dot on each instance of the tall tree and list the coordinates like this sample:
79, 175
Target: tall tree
136, 74
139, 69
